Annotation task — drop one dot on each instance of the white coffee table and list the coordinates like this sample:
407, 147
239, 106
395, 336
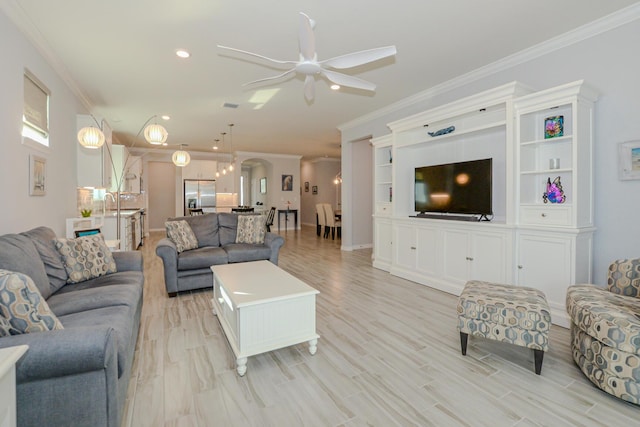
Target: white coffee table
262, 308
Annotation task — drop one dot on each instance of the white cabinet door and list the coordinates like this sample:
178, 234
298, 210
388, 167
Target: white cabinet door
490, 257
545, 263
383, 244
404, 250
455, 250
428, 257
476, 255
200, 169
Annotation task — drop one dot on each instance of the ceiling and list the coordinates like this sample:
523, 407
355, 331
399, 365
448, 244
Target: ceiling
119, 56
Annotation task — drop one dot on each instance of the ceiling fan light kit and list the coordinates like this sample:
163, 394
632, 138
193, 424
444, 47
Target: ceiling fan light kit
309, 66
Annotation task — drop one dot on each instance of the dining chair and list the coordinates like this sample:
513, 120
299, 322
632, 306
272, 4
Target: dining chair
270, 216
195, 211
332, 222
322, 222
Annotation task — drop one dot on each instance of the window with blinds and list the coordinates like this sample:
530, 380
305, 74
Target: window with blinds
35, 114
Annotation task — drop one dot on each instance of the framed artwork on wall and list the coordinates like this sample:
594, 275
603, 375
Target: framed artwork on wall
37, 175
287, 182
263, 185
306, 186
314, 189
629, 160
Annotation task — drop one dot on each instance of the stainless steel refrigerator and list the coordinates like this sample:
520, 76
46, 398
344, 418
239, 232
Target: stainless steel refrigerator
199, 194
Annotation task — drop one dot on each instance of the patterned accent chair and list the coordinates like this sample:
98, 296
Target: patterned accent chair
605, 330
513, 314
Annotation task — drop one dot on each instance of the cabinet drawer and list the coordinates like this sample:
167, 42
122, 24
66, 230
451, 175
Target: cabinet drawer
546, 215
383, 208
226, 312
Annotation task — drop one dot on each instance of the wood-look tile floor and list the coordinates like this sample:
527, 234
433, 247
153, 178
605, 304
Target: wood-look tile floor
389, 355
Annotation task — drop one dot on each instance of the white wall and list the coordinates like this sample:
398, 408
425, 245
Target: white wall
608, 62
160, 177
19, 210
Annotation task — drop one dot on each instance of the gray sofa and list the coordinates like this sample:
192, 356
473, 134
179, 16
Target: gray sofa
76, 376
216, 235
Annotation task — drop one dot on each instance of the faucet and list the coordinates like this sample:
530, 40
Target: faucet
104, 199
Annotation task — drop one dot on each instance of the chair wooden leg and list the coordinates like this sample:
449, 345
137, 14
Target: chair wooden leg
326, 232
333, 233
538, 355
463, 342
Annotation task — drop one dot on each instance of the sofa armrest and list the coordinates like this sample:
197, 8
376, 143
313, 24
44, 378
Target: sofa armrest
167, 251
624, 277
64, 352
128, 260
275, 242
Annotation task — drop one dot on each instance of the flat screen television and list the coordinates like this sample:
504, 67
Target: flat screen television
460, 188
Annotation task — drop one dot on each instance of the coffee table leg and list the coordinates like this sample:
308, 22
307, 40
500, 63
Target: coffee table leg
313, 346
241, 366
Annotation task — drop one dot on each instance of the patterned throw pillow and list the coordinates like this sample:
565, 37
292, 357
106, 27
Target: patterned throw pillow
181, 234
23, 307
251, 229
86, 257
5, 327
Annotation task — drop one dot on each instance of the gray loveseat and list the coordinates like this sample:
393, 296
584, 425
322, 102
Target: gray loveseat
216, 235
76, 376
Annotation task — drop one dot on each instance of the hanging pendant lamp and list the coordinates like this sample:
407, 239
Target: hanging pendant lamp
155, 134
231, 147
91, 137
181, 158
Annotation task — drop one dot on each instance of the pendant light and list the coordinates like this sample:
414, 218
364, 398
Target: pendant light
155, 134
224, 169
91, 137
181, 158
215, 147
231, 147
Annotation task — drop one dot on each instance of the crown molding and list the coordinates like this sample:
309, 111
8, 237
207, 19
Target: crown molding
16, 14
251, 154
592, 29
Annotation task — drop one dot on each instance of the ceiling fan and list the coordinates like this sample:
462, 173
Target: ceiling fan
310, 67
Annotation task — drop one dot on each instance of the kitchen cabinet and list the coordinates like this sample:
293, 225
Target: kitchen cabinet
93, 165
130, 229
200, 169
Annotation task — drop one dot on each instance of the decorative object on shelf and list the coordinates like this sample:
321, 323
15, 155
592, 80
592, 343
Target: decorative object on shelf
314, 189
306, 186
442, 131
390, 156
629, 160
37, 175
553, 127
287, 182
390, 194
554, 193
86, 213
554, 163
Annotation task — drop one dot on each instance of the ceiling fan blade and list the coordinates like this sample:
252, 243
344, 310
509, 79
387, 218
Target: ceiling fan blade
256, 55
349, 81
309, 88
279, 76
359, 58
307, 38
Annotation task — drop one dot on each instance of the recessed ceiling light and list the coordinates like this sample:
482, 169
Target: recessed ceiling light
165, 117
215, 147
335, 87
181, 53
